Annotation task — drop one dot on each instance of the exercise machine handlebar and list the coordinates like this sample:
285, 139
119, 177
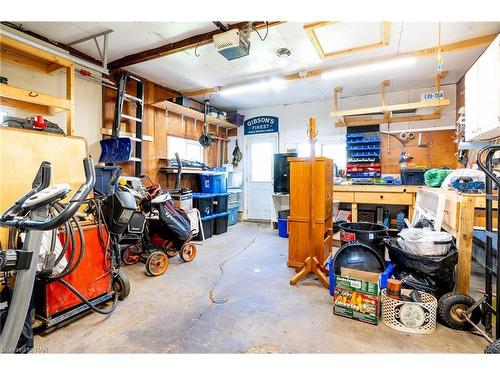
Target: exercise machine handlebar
8, 219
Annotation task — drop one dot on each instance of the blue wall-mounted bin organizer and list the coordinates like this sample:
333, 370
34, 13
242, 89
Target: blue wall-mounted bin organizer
204, 202
106, 179
233, 215
383, 276
282, 228
214, 183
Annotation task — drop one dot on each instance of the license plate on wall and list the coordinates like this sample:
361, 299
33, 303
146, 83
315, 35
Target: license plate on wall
435, 95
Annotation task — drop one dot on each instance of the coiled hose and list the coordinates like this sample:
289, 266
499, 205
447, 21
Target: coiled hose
70, 247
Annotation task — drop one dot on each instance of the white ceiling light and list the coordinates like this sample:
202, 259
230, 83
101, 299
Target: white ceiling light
275, 84
369, 68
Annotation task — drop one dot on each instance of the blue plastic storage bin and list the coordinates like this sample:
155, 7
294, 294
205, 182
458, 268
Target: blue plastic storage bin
383, 276
233, 215
221, 203
220, 223
204, 203
208, 227
106, 179
282, 228
214, 183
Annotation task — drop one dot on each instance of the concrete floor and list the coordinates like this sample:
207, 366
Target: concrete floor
174, 313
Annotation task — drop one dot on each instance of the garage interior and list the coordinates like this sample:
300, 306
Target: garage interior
249, 187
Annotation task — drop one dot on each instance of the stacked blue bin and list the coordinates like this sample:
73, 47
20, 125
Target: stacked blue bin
212, 203
233, 207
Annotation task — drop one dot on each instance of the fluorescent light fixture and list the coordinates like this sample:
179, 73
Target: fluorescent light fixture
275, 84
369, 68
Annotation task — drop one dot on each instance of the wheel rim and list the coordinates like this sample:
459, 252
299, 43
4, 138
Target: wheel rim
157, 264
188, 252
457, 311
118, 287
129, 257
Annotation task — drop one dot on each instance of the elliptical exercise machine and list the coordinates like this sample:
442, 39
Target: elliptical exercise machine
36, 213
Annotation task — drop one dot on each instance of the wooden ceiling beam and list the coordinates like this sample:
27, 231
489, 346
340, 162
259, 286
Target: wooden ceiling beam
181, 45
426, 52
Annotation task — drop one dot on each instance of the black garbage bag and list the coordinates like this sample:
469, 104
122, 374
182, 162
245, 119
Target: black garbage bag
175, 223
431, 274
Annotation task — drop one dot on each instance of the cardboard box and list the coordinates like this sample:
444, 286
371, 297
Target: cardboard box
357, 295
183, 201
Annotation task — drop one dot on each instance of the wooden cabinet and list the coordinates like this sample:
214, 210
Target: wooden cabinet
299, 245
300, 188
482, 96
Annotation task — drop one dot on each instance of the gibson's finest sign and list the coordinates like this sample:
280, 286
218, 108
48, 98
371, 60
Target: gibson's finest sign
261, 125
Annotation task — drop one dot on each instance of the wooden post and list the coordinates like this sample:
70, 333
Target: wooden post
354, 212
336, 93
438, 81
464, 243
70, 95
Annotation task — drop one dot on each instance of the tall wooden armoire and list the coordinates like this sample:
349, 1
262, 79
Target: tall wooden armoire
298, 221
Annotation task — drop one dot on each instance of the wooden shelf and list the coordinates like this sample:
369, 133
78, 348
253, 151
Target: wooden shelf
18, 53
191, 113
146, 138
388, 113
32, 100
35, 59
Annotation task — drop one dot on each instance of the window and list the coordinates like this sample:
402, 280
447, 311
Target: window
261, 164
187, 149
332, 150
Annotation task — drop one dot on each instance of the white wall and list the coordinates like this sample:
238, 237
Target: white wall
88, 101
293, 118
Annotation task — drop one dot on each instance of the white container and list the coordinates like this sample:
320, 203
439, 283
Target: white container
412, 317
425, 242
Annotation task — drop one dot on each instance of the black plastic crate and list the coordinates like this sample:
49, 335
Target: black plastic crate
204, 202
220, 203
413, 176
220, 223
208, 228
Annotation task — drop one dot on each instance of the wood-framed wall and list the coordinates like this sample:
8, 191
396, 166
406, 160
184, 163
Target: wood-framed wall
158, 126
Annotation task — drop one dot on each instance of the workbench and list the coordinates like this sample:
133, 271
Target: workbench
401, 195
462, 214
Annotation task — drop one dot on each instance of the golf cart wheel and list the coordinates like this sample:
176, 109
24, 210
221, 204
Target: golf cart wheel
157, 263
131, 255
493, 348
170, 250
188, 252
450, 309
121, 285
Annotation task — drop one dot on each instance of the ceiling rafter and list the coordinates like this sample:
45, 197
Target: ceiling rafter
426, 52
181, 45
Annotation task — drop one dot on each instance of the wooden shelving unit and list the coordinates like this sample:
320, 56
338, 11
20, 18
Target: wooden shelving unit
29, 57
384, 113
191, 113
